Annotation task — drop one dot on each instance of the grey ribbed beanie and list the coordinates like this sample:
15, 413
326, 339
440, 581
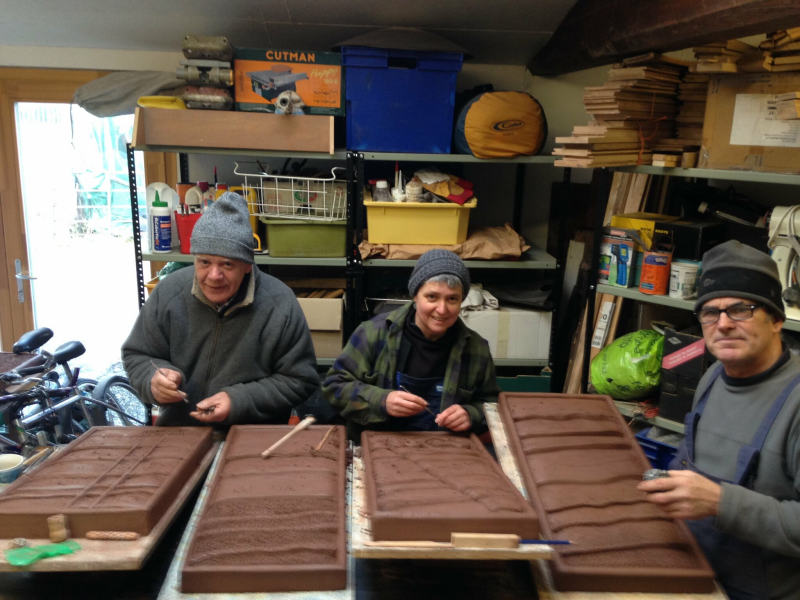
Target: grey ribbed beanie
224, 230
735, 270
438, 262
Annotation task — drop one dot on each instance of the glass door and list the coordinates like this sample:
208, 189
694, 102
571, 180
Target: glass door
78, 224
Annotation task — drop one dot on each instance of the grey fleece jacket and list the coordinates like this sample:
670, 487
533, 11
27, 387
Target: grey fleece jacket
769, 515
259, 351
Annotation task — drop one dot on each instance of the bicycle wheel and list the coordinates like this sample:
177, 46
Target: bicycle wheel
123, 407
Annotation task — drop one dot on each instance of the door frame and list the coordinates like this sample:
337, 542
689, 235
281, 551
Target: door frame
22, 85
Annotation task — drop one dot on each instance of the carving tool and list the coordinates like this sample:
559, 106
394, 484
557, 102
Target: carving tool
402, 387
651, 474
305, 423
183, 394
470, 540
325, 438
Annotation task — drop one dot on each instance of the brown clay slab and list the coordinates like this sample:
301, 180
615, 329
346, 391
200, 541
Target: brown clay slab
581, 465
425, 486
110, 479
274, 524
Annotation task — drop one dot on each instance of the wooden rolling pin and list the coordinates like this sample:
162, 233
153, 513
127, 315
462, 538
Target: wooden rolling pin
304, 424
117, 536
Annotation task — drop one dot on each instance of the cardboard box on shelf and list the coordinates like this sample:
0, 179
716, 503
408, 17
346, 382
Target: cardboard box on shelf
324, 318
742, 130
692, 239
618, 257
642, 222
289, 82
513, 332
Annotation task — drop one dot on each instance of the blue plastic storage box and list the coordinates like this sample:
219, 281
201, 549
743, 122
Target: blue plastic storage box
659, 454
400, 100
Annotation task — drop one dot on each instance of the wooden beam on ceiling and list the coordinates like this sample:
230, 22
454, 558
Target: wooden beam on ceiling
598, 32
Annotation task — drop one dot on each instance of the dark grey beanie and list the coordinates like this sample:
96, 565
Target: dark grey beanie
438, 262
735, 270
224, 230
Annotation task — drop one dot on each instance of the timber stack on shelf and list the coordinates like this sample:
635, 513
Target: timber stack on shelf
635, 108
722, 57
782, 50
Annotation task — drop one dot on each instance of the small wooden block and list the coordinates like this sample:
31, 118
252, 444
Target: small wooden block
484, 540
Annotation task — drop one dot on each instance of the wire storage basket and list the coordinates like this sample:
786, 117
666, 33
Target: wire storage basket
292, 197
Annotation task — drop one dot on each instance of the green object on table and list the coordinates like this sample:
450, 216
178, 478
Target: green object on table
20, 557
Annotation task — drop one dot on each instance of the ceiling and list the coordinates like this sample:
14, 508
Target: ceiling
493, 31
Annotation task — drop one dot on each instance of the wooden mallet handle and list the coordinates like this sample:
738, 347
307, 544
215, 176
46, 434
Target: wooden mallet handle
298, 428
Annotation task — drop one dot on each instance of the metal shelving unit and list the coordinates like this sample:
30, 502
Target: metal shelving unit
633, 293
457, 158
261, 259
627, 410
535, 258
756, 176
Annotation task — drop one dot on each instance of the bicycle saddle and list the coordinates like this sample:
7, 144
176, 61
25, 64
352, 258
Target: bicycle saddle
68, 351
32, 340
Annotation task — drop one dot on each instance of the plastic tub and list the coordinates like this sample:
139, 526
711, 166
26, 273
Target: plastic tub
418, 222
683, 280
659, 454
297, 238
400, 100
186, 224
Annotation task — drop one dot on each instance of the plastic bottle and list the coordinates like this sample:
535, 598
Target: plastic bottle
382, 192
208, 194
414, 190
194, 199
160, 226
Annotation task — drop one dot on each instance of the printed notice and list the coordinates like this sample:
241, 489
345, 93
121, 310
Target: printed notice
755, 123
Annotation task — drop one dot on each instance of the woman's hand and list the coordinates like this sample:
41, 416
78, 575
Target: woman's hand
454, 418
404, 404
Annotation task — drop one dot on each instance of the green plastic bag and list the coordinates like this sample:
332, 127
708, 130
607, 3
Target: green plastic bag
629, 367
20, 557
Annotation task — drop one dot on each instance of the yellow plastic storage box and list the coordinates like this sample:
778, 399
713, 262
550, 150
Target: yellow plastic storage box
417, 222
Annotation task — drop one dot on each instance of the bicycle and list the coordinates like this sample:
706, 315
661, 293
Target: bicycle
40, 408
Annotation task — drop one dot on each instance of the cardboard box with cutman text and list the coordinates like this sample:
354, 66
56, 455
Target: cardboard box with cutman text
742, 130
289, 82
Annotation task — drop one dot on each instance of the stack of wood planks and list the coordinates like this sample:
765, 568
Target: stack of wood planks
788, 107
692, 97
636, 106
629, 193
322, 294
722, 57
782, 50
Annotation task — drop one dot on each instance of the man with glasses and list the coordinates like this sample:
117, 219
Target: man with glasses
737, 473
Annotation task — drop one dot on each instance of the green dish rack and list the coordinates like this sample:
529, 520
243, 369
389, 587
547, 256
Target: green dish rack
298, 238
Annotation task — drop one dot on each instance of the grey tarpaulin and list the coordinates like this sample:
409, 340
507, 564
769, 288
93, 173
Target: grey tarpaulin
117, 93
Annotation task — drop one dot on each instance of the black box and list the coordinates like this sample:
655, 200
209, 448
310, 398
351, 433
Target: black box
685, 353
692, 239
685, 360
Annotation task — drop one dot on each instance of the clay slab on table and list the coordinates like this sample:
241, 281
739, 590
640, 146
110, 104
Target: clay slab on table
581, 465
425, 486
109, 479
275, 524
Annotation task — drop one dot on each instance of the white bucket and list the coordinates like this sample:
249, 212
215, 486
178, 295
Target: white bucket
683, 280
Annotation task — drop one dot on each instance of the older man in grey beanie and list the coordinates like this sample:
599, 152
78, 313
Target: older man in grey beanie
737, 474
220, 342
418, 368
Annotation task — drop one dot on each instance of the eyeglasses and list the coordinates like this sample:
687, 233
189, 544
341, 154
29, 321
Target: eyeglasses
737, 312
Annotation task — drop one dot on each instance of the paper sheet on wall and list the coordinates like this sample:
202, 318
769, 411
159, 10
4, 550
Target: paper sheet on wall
755, 123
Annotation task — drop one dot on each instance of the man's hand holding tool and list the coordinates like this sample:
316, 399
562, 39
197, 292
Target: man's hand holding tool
165, 385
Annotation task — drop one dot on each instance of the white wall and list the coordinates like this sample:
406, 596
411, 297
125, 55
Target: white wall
87, 58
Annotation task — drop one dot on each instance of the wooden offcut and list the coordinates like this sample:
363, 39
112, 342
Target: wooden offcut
228, 130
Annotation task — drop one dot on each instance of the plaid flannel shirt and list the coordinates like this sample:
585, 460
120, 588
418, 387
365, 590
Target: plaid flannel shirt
364, 373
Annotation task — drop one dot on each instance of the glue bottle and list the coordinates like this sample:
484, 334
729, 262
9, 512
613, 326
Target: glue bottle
160, 226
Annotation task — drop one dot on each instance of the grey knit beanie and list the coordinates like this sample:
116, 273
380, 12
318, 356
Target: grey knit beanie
438, 262
224, 230
735, 270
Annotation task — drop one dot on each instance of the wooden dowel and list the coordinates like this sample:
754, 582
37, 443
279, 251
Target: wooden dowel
119, 536
298, 428
325, 438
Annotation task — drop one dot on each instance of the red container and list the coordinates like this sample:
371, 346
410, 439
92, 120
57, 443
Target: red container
185, 226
